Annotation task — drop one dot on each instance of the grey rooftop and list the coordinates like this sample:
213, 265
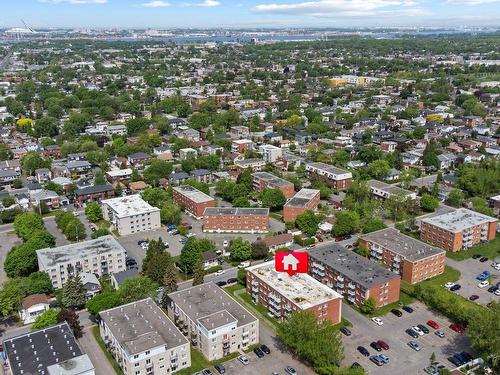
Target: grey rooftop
236, 211
458, 220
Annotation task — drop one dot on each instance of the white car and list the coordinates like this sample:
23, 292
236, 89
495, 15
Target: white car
448, 285
483, 284
190, 235
417, 330
220, 272
497, 292
243, 359
377, 321
225, 243
496, 266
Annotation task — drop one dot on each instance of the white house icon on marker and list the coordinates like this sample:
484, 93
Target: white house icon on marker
290, 262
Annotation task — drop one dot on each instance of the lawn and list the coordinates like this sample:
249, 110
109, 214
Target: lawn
102, 345
449, 274
489, 249
198, 363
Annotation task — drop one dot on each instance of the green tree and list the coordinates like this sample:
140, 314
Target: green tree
100, 233
429, 202
369, 306
137, 125
8, 201
103, 301
483, 331
171, 213
5, 152
259, 250
396, 206
46, 127
73, 293
37, 283
455, 198
346, 223
273, 198
94, 212
308, 223
46, 319
240, 249
199, 272
372, 225
379, 168
156, 170
363, 251
137, 288
241, 202
481, 205
26, 223
192, 250
11, 296
75, 230
430, 155
33, 161
155, 196
170, 277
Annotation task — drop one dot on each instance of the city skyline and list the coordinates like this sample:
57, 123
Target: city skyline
249, 13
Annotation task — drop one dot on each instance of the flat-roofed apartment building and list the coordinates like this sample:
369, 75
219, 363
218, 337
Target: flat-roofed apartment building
143, 340
304, 200
383, 190
236, 220
265, 180
215, 323
131, 214
101, 256
282, 294
193, 200
460, 229
414, 260
353, 276
336, 177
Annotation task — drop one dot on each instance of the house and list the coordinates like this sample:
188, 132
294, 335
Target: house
304, 200
138, 159
270, 153
210, 259
49, 197
118, 278
201, 175
238, 132
33, 306
446, 161
43, 175
91, 284
187, 153
194, 200
7, 177
338, 178
278, 241
64, 182
239, 146
78, 167
235, 220
94, 193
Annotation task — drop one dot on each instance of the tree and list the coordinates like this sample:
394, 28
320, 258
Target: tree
46, 127
242, 276
241, 202
372, 225
26, 223
240, 249
170, 277
137, 125
369, 306
308, 223
259, 249
429, 202
156, 170
99, 178
455, 198
157, 266
37, 283
430, 155
11, 296
99, 233
32, 161
103, 301
363, 251
273, 198
346, 223
71, 317
136, 288
170, 213
8, 201
5, 152
432, 358
75, 230
199, 272
481, 205
46, 319
419, 132
74, 293
22, 260
483, 331
379, 168
155, 196
396, 206
192, 250
94, 212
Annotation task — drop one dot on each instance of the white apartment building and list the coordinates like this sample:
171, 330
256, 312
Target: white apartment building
270, 153
101, 256
143, 340
131, 214
215, 323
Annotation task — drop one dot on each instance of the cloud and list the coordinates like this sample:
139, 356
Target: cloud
209, 3
74, 1
156, 4
472, 2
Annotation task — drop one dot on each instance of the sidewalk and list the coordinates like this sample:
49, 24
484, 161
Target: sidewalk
93, 350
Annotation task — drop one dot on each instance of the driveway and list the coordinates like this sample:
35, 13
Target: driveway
90, 346
7, 240
50, 224
403, 359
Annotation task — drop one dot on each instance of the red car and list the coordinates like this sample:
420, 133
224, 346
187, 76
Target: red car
433, 324
383, 344
457, 328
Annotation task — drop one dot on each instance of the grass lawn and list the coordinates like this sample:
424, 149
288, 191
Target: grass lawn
278, 215
403, 297
198, 363
102, 345
489, 249
449, 274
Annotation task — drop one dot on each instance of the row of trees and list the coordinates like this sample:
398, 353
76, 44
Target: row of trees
72, 227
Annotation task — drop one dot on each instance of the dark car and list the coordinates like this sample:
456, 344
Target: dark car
363, 351
423, 328
473, 297
412, 333
493, 289
375, 345
455, 361
220, 369
455, 287
467, 356
356, 365
397, 312
408, 309
206, 372
221, 283
476, 256
258, 352
346, 331
232, 280
483, 259
265, 349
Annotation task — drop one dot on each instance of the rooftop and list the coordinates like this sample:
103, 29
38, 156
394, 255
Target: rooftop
328, 168
459, 220
357, 268
194, 194
236, 211
34, 352
49, 257
271, 179
399, 243
301, 289
142, 325
129, 205
391, 189
210, 305
72, 366
302, 197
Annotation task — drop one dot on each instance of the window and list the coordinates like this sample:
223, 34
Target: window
137, 364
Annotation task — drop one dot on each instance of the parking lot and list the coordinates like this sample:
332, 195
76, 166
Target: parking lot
470, 269
402, 358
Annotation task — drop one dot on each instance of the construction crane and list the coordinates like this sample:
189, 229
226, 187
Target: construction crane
28, 28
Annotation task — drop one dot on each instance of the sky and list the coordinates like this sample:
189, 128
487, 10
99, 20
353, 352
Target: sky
248, 13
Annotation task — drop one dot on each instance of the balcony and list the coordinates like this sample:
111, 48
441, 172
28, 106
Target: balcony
339, 285
274, 304
351, 298
340, 278
255, 289
274, 297
318, 266
351, 286
377, 249
351, 292
319, 272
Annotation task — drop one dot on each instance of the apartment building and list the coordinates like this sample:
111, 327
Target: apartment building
412, 259
337, 178
265, 180
194, 201
270, 153
383, 190
215, 323
131, 214
238, 132
143, 340
101, 256
353, 276
282, 294
457, 230
52, 350
239, 146
236, 220
304, 200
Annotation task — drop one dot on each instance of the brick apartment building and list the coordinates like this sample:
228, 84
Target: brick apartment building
193, 200
236, 220
353, 276
265, 180
94, 193
414, 260
304, 200
337, 178
282, 294
457, 230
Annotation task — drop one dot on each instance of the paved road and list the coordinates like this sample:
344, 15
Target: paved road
4, 64
90, 346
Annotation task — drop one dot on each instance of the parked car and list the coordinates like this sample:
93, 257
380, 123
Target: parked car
220, 368
418, 330
476, 256
449, 284
363, 351
258, 352
377, 321
221, 283
414, 345
483, 284
483, 276
290, 370
423, 328
243, 359
383, 344
474, 297
265, 349
496, 266
433, 324
457, 328
232, 280
225, 243
376, 359
408, 309
483, 259
220, 272
346, 331
431, 370
412, 333
206, 372
244, 264
384, 358
439, 334
493, 289
397, 312
376, 346
455, 287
